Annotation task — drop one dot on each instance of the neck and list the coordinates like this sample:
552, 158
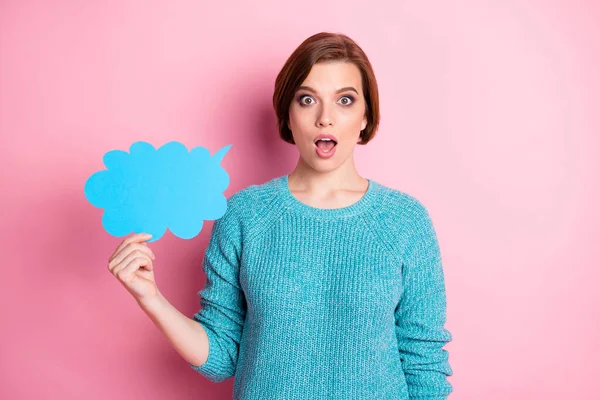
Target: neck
307, 179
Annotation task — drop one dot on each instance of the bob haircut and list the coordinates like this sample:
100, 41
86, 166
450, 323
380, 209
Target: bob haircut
323, 47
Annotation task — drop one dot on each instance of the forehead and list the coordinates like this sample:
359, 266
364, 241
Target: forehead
331, 75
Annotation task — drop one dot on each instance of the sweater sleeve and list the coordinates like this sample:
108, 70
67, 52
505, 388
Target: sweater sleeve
223, 305
421, 313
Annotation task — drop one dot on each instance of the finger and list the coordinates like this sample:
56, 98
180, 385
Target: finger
134, 238
125, 256
145, 273
139, 257
120, 247
133, 266
132, 250
128, 249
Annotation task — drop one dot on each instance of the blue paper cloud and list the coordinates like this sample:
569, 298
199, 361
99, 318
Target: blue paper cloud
149, 190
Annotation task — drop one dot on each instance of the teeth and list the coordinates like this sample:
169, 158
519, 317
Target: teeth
326, 140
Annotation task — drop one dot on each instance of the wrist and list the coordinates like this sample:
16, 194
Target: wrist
151, 303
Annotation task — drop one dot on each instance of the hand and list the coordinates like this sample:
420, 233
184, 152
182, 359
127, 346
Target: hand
131, 264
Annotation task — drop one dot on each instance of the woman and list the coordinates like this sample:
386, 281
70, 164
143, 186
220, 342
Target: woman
320, 283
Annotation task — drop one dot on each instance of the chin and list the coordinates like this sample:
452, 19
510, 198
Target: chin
324, 165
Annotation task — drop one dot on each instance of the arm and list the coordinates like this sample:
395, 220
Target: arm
421, 313
185, 335
223, 305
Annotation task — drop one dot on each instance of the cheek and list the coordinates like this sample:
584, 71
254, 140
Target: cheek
294, 117
299, 120
352, 114
351, 121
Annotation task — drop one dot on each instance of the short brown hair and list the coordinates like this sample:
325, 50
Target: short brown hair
322, 47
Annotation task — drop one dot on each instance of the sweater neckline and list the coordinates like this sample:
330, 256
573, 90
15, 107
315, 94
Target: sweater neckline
292, 203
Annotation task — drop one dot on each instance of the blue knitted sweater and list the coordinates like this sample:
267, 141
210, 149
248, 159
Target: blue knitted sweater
310, 303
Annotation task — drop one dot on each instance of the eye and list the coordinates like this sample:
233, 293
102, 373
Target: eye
348, 97
349, 100
301, 99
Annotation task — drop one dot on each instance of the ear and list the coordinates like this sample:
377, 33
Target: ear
364, 123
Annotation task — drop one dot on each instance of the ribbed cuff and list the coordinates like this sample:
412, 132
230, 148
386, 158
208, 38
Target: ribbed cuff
213, 368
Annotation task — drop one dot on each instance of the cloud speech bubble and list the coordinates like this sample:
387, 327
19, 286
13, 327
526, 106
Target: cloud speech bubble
149, 190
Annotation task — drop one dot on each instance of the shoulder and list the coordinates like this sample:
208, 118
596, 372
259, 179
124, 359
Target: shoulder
253, 197
246, 206
403, 216
400, 205
404, 220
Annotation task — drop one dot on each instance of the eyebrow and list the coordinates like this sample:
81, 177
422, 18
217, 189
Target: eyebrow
337, 91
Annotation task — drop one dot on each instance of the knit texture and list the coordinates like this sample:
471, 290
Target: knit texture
309, 303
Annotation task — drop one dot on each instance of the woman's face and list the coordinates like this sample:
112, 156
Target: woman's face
329, 101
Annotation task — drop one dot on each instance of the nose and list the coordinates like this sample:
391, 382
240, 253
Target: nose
324, 118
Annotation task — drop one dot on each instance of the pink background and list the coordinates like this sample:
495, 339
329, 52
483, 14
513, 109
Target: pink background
490, 116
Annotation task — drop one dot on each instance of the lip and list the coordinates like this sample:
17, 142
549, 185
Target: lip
325, 136
321, 153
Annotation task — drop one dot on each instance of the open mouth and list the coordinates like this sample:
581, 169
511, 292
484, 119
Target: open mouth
325, 144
